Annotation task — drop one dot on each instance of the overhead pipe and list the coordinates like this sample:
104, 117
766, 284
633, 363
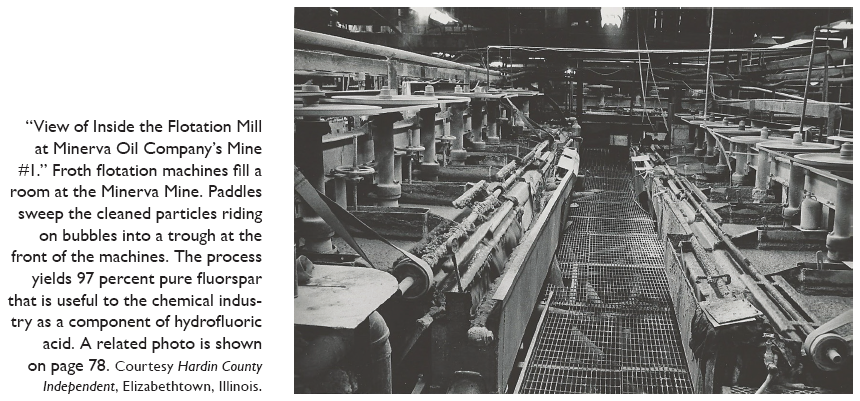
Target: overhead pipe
308, 38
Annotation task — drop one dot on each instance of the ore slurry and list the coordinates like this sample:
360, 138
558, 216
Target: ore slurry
613, 330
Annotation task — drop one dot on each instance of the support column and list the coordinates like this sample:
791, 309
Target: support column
398, 166
340, 190
700, 141
796, 177
525, 109
458, 153
723, 163
393, 80
839, 241
711, 144
309, 159
429, 165
477, 123
580, 98
387, 190
810, 209
741, 158
493, 122
762, 176
365, 149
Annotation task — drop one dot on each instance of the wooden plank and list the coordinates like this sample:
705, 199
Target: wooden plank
341, 297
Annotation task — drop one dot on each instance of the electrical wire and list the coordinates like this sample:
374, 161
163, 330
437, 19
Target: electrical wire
641, 79
656, 88
708, 72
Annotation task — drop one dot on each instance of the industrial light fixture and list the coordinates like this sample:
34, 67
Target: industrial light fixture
764, 41
435, 15
611, 16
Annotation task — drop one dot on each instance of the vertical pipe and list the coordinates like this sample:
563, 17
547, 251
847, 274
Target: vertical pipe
825, 86
309, 159
477, 123
810, 210
762, 176
458, 153
387, 191
525, 108
741, 151
806, 86
796, 177
700, 141
398, 166
723, 163
711, 142
580, 98
429, 166
340, 190
493, 122
365, 149
392, 76
839, 241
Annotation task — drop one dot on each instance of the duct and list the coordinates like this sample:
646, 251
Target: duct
322, 353
307, 38
326, 350
379, 368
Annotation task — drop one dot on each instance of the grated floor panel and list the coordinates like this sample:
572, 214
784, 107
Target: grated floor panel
612, 331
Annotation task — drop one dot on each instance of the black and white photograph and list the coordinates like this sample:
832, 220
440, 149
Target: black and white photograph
582, 200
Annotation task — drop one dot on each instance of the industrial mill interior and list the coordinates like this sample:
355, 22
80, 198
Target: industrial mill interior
573, 200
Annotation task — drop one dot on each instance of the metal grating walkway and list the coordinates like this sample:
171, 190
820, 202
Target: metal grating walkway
612, 331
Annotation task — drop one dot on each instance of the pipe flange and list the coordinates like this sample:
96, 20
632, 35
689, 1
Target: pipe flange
420, 273
448, 138
828, 352
411, 149
838, 247
388, 191
351, 171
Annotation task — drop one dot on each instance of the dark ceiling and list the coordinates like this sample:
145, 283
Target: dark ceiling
663, 28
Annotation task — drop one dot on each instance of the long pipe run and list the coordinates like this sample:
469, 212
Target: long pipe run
307, 38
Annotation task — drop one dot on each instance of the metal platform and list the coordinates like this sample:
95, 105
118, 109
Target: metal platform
612, 331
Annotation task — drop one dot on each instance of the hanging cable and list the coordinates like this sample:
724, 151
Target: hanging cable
641, 79
656, 87
708, 72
